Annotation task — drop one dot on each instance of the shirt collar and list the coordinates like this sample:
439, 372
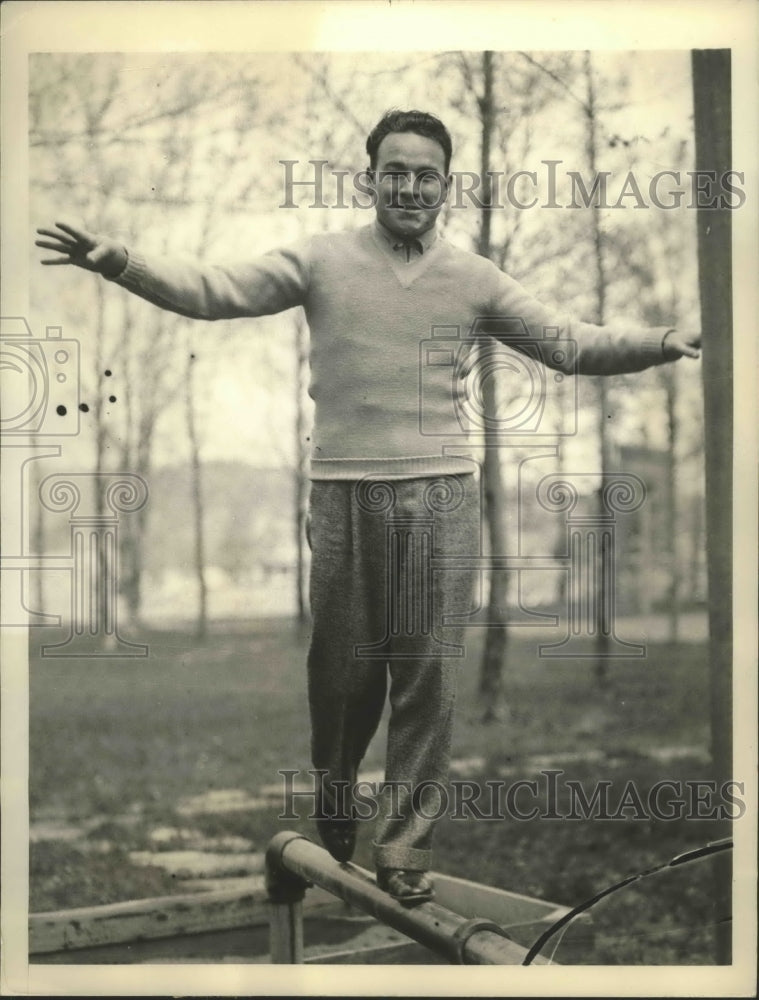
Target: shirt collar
422, 243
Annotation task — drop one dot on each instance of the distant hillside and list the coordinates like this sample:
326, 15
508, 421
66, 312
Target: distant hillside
248, 517
251, 546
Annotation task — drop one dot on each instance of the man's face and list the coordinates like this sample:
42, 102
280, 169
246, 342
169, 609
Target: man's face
410, 183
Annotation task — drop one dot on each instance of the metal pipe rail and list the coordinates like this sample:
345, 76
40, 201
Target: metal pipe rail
294, 863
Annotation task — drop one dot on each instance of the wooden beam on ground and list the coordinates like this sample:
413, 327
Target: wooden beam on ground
157, 917
211, 923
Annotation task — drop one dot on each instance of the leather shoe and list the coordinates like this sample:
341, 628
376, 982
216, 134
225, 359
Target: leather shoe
338, 836
337, 831
407, 887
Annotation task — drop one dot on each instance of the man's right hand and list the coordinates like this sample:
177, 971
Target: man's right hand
83, 249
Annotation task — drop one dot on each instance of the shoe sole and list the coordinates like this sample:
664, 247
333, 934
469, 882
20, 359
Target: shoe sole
409, 901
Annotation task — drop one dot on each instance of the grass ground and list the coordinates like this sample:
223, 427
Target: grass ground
121, 742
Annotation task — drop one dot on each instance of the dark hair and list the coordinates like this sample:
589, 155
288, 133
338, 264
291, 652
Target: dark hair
419, 122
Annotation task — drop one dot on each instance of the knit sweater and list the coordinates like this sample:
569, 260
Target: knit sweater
388, 338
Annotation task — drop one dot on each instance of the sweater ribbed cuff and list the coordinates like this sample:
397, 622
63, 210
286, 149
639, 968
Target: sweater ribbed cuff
653, 344
134, 270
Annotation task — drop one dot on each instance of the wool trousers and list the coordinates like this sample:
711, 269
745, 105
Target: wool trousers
384, 579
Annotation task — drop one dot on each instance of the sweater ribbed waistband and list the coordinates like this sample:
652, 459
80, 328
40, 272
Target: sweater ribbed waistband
391, 468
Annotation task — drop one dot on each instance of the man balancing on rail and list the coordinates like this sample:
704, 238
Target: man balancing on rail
371, 296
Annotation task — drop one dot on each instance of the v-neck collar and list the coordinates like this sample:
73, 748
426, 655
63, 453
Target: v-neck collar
406, 271
425, 240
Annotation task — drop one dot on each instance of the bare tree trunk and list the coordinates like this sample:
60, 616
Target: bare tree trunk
131, 529
300, 471
101, 444
491, 669
196, 492
671, 518
139, 520
496, 635
137, 452
601, 583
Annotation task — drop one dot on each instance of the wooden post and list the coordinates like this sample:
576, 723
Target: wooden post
711, 97
286, 933
286, 891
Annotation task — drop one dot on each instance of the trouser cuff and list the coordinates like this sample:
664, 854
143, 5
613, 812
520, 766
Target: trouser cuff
411, 858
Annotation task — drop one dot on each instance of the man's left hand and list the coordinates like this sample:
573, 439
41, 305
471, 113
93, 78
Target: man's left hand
677, 344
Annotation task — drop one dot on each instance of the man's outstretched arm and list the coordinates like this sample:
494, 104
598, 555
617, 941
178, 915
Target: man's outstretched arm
586, 349
268, 284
